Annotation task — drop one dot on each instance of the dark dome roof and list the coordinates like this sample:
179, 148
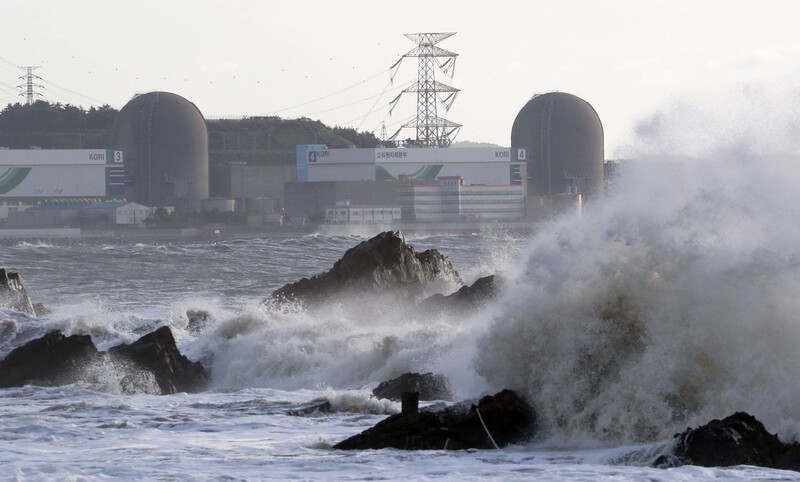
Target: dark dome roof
563, 139
165, 141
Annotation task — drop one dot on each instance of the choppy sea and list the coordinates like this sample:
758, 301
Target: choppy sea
622, 327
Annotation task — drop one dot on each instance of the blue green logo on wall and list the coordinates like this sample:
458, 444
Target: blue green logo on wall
428, 172
12, 178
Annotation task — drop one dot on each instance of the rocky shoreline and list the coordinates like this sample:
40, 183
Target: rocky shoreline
384, 266
56, 359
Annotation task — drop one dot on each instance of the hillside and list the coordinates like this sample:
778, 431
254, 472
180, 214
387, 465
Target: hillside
254, 140
272, 140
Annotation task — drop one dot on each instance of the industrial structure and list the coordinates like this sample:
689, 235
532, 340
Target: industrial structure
449, 198
159, 157
165, 141
560, 138
102, 215
479, 165
432, 130
38, 175
429, 184
28, 89
345, 213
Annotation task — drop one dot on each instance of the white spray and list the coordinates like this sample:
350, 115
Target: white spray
674, 301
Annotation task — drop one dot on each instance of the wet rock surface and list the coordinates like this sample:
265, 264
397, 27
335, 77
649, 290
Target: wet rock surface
382, 263
197, 320
428, 385
507, 417
467, 298
739, 439
13, 294
158, 353
55, 359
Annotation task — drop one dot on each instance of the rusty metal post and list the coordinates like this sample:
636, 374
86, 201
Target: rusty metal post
409, 402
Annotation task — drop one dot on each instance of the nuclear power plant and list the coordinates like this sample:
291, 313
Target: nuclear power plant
560, 137
159, 157
165, 141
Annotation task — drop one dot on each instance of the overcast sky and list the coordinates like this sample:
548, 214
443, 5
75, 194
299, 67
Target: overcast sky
329, 60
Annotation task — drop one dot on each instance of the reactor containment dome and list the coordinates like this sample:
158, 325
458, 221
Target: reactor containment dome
165, 142
560, 137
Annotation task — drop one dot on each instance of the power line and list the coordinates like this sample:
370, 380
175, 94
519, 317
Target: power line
10, 87
354, 102
372, 109
302, 104
73, 92
9, 63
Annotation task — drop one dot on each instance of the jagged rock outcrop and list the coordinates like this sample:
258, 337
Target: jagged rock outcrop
53, 359
428, 385
382, 263
507, 417
467, 298
14, 296
314, 407
158, 353
739, 439
197, 320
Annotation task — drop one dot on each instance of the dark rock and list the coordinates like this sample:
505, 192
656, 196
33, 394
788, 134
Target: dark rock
40, 310
197, 320
408, 431
467, 298
429, 386
508, 418
53, 359
13, 294
382, 263
739, 439
315, 407
157, 353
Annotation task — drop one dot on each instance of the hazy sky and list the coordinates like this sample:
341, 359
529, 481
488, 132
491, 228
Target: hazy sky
329, 60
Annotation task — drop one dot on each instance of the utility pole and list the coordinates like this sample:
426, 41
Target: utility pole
28, 88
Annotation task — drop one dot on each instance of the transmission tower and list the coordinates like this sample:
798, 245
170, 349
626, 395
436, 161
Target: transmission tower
432, 130
28, 88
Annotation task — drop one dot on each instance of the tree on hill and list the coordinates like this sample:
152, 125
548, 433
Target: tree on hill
272, 140
361, 139
43, 116
255, 140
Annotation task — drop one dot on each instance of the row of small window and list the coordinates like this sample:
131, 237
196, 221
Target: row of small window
466, 202
515, 192
470, 210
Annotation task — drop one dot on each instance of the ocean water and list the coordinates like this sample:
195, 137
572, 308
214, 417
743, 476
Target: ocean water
667, 305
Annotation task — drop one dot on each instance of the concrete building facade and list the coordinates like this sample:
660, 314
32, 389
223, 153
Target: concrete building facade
345, 213
31, 176
317, 163
449, 198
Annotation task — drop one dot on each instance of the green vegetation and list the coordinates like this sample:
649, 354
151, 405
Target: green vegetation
254, 140
272, 140
42, 116
55, 126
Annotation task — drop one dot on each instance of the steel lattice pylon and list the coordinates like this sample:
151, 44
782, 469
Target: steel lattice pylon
29, 87
432, 130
